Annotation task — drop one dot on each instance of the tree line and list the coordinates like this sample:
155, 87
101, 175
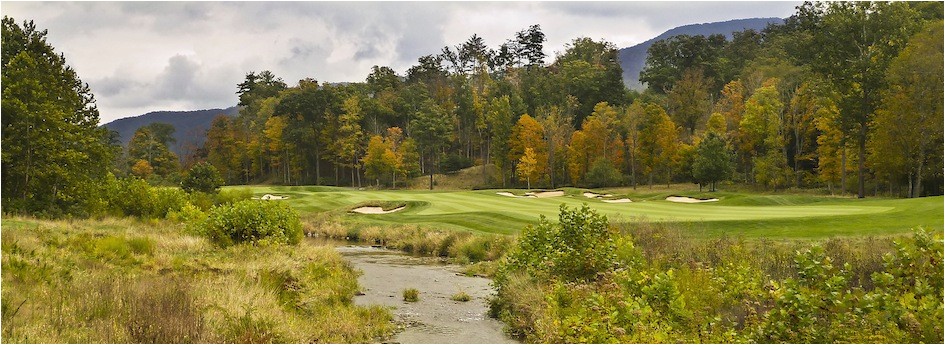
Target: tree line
844, 96
829, 99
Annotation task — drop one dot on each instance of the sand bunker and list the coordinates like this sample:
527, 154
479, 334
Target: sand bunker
272, 197
534, 194
545, 194
618, 201
376, 210
688, 200
591, 195
509, 195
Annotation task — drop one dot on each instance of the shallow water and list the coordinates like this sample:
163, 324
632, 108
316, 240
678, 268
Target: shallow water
435, 318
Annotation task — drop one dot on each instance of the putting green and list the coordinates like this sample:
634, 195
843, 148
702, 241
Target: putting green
487, 211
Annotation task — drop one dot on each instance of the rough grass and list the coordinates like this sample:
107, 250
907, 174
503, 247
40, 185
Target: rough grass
124, 281
752, 215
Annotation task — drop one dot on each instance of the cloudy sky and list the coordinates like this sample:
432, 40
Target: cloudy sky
142, 56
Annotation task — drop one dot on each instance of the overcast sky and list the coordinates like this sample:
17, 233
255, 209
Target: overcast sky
141, 56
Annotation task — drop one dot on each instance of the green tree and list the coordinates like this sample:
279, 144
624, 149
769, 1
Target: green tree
852, 45
761, 135
590, 72
202, 177
689, 101
350, 141
54, 155
712, 162
668, 60
430, 127
906, 135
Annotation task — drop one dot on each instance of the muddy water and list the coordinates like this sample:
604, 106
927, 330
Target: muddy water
435, 318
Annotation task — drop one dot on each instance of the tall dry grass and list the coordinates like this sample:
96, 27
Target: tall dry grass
127, 281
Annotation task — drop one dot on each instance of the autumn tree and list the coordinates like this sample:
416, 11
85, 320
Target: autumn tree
150, 143
529, 134
527, 167
379, 160
658, 149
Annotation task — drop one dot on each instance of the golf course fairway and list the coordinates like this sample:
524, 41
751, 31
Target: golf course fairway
747, 215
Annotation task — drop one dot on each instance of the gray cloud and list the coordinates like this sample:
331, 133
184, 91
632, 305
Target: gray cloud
146, 56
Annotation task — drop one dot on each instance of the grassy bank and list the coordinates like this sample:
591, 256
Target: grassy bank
742, 214
126, 281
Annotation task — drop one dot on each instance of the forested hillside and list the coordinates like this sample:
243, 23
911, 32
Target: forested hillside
190, 127
633, 59
814, 102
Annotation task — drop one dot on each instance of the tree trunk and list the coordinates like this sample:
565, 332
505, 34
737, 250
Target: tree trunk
431, 179
861, 161
318, 166
843, 169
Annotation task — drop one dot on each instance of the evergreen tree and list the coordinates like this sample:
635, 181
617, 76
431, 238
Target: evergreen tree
54, 154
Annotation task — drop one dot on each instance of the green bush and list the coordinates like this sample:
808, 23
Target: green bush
578, 247
230, 196
253, 221
202, 177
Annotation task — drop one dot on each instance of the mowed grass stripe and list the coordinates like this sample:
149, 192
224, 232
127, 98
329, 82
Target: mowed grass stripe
800, 216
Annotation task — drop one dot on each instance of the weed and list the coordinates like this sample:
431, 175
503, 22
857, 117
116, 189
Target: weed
461, 296
411, 295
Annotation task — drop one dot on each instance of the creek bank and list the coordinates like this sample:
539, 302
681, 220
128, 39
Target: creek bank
435, 318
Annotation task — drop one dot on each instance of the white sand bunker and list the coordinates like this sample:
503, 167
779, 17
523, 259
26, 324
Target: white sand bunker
534, 194
509, 195
591, 195
272, 197
376, 210
688, 200
550, 194
618, 201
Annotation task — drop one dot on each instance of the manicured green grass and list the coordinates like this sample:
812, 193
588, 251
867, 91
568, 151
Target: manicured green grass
736, 214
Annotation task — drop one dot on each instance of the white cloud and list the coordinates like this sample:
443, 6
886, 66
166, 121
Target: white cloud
147, 56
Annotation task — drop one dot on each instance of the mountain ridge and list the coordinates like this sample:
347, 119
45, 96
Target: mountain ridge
632, 59
190, 127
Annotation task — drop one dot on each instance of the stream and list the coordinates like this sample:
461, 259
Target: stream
435, 318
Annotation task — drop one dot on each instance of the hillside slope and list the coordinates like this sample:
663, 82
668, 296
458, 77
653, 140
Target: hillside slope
190, 126
632, 59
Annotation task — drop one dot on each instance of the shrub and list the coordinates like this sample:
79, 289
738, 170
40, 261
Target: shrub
131, 197
253, 221
202, 177
578, 247
411, 295
230, 196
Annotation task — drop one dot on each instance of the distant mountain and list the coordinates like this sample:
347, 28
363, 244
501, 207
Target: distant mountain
633, 59
190, 126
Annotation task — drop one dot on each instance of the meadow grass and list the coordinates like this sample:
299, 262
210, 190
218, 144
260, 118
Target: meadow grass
748, 214
129, 281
